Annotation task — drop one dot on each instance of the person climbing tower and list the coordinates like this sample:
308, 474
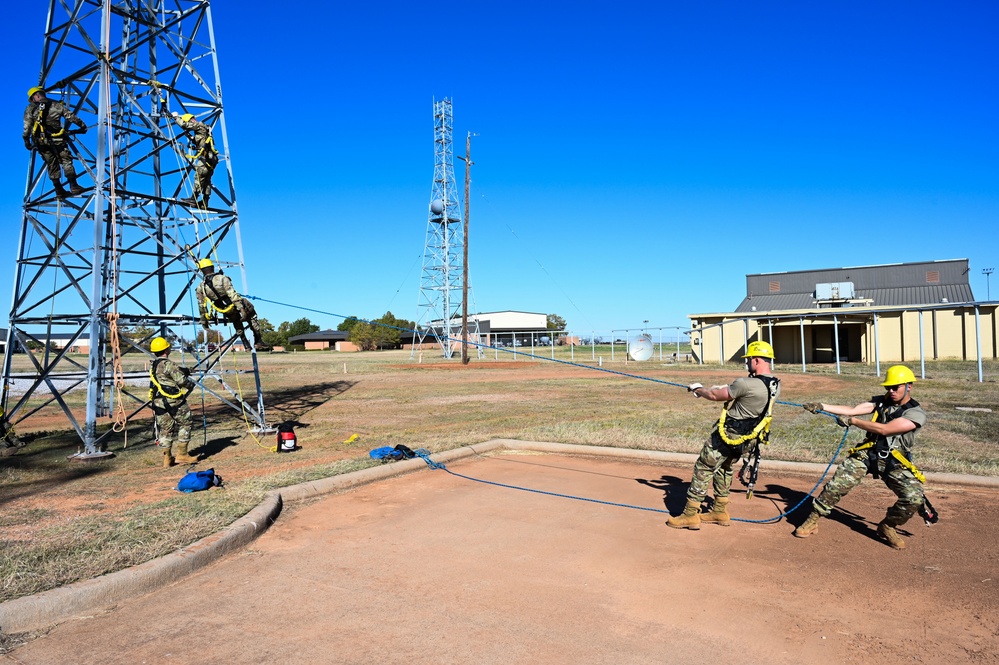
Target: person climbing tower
44, 132
215, 294
205, 158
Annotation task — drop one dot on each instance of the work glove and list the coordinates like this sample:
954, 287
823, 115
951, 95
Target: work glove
186, 371
814, 407
843, 421
694, 386
27, 143
83, 128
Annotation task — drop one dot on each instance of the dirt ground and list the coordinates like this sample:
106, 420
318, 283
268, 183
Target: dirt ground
435, 568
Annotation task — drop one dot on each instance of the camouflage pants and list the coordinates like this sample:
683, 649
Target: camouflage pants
57, 155
173, 420
244, 311
849, 474
713, 465
203, 169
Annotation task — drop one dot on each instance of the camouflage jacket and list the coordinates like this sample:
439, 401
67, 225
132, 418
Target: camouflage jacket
43, 121
171, 377
217, 288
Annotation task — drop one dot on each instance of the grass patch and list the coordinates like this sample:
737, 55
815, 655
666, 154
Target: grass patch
63, 521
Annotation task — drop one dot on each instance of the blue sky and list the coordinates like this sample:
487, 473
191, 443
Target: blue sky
634, 160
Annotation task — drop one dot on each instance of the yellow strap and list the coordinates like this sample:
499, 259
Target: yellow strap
764, 425
152, 377
863, 446
908, 465
209, 306
897, 455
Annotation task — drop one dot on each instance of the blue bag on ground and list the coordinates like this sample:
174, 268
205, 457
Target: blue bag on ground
196, 481
387, 453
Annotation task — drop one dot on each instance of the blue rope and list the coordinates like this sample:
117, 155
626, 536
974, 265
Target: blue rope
438, 465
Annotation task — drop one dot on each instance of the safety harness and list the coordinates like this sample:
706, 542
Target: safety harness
157, 389
752, 431
887, 448
220, 303
40, 128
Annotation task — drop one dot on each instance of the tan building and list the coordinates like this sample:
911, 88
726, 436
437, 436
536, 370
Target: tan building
903, 312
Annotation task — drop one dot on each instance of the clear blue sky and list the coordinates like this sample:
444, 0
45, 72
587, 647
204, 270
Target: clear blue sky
634, 160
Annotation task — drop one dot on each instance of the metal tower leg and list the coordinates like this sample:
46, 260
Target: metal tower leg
99, 274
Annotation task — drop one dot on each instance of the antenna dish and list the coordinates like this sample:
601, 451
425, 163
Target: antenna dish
437, 206
640, 348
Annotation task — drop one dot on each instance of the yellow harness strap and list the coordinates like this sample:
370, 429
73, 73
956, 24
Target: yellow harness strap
762, 429
763, 426
159, 387
894, 453
209, 306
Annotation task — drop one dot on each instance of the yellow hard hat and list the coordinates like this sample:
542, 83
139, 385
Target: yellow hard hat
759, 350
32, 91
897, 375
186, 117
158, 344
205, 263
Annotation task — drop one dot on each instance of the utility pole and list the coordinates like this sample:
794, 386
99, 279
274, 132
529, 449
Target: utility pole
464, 277
985, 271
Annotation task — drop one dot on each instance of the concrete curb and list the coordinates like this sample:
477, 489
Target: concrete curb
86, 597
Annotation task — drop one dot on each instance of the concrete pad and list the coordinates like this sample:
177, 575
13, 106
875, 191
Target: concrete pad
430, 567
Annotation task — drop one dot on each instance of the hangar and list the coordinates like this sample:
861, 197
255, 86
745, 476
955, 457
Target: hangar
903, 312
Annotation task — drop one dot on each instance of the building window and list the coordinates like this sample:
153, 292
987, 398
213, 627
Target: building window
932, 276
774, 287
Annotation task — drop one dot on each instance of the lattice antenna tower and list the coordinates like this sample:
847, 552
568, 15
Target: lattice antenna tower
440, 302
122, 255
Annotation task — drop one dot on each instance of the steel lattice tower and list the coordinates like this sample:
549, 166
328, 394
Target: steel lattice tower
440, 303
122, 254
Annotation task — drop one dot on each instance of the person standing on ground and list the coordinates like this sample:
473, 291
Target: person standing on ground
886, 453
745, 418
216, 293
44, 132
204, 156
169, 386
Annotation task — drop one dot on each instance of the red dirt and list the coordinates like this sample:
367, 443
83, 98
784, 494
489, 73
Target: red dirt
434, 568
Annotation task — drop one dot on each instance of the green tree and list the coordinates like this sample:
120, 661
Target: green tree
363, 336
272, 336
348, 324
301, 327
556, 322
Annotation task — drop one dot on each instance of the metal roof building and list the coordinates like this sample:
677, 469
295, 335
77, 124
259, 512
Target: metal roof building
889, 285
902, 312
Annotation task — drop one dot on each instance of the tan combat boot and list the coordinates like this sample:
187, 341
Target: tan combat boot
690, 518
891, 536
808, 527
719, 512
183, 457
167, 459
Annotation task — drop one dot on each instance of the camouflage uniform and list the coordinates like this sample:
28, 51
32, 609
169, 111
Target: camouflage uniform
173, 415
750, 398
205, 157
217, 288
859, 463
43, 130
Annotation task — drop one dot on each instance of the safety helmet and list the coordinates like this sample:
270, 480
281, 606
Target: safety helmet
897, 375
759, 350
205, 263
186, 117
158, 344
32, 91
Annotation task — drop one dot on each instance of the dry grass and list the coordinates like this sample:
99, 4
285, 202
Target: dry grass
65, 521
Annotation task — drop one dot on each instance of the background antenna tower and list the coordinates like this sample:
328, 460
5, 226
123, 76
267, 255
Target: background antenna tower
440, 301
117, 262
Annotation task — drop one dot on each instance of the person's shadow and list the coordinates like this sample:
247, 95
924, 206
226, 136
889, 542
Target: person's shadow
674, 491
214, 446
